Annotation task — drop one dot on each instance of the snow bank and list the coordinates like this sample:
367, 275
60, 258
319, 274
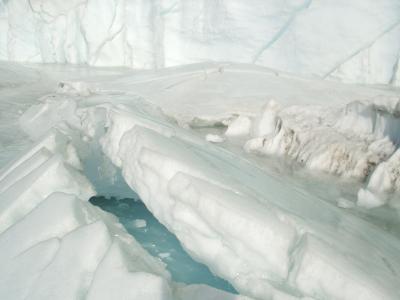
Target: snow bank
357, 41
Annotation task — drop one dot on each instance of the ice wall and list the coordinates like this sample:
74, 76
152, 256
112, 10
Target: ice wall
357, 41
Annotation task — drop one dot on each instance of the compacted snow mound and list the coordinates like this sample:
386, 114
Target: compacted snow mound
356, 41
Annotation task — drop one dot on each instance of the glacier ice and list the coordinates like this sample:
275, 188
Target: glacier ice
355, 41
261, 230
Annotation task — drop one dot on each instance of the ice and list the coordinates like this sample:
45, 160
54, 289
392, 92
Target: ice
357, 42
383, 184
164, 255
263, 230
268, 122
239, 127
214, 138
345, 203
139, 223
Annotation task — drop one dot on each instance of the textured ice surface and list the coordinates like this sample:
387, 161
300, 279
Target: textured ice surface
255, 224
356, 41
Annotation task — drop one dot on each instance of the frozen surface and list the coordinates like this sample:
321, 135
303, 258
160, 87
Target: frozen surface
273, 230
357, 41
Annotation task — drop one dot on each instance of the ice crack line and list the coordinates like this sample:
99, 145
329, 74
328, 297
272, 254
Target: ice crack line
281, 31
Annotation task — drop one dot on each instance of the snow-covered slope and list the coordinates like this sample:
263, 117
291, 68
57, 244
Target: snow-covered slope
269, 236
357, 40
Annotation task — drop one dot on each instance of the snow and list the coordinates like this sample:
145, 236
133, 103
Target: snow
354, 42
265, 232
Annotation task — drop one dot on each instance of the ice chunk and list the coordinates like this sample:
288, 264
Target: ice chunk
239, 127
164, 255
77, 88
214, 138
367, 199
383, 184
344, 203
268, 122
139, 223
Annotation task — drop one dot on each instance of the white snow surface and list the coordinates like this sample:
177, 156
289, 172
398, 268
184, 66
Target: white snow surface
270, 237
355, 41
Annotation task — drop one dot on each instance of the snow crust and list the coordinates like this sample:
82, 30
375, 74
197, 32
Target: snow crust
357, 41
